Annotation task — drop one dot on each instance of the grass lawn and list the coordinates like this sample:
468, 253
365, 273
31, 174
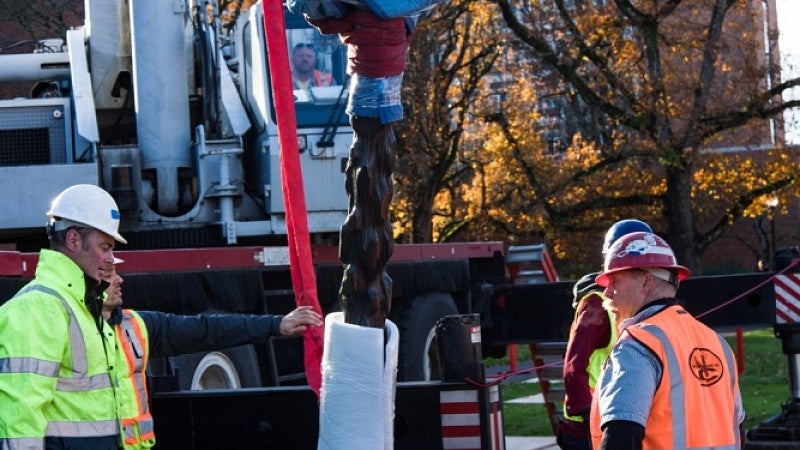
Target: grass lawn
764, 386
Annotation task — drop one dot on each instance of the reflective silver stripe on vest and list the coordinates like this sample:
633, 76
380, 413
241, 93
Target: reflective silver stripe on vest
21, 443
145, 426
130, 335
676, 392
83, 428
129, 433
730, 360
129, 327
94, 382
76, 341
29, 365
79, 381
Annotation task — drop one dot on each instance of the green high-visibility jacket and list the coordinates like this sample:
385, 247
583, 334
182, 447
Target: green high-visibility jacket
55, 362
598, 357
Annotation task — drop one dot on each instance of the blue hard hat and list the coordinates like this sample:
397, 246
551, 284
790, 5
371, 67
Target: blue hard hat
623, 227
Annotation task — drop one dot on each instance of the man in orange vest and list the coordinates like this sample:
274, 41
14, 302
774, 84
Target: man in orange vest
670, 382
304, 68
142, 334
591, 336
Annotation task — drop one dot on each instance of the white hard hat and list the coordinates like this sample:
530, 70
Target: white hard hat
88, 205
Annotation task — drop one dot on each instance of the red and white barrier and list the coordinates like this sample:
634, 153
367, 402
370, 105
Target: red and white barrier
787, 298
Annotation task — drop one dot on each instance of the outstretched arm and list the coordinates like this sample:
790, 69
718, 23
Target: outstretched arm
171, 334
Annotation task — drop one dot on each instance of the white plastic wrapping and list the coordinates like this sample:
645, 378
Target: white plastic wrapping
357, 397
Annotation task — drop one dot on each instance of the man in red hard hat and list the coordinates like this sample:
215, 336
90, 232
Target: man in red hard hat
670, 381
591, 336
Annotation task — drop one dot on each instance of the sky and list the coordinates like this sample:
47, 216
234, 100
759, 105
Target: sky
788, 12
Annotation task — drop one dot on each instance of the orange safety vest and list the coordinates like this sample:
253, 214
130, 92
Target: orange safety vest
322, 79
695, 403
134, 411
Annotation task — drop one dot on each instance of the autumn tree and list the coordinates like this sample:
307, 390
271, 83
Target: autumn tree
453, 49
671, 82
24, 23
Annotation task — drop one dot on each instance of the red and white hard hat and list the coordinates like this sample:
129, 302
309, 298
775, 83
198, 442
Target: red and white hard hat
642, 250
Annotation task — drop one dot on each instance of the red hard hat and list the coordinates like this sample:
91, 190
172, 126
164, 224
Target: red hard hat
640, 250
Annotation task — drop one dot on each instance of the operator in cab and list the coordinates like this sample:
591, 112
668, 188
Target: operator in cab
305, 73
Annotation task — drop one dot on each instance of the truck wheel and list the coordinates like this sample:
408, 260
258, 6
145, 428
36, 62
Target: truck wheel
418, 358
231, 368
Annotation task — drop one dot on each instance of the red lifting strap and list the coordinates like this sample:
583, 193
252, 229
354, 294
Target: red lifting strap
302, 269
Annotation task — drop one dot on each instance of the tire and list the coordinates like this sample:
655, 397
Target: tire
232, 368
418, 358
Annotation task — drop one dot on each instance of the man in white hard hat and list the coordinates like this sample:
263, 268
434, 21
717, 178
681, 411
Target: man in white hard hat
56, 389
146, 334
669, 381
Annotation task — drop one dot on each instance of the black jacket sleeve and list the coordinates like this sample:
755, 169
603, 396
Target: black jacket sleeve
172, 335
622, 435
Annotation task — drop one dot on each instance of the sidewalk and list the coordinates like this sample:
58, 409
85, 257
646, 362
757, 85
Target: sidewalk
525, 442
530, 443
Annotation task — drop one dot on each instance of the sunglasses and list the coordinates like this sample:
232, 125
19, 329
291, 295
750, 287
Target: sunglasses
304, 45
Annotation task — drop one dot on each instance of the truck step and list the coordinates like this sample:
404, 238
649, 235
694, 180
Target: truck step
280, 349
278, 293
285, 379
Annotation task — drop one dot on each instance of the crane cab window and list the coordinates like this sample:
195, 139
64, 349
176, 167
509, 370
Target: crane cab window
317, 64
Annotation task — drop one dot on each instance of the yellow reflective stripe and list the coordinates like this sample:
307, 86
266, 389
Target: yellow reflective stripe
82, 428
93, 383
29, 365
25, 443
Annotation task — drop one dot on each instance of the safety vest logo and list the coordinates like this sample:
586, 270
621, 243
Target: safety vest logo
705, 366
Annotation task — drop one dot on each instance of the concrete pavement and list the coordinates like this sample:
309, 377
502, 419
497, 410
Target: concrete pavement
526, 442
531, 443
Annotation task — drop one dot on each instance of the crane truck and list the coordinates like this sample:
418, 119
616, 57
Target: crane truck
171, 112
174, 117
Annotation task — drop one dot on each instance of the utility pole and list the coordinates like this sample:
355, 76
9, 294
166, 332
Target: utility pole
772, 203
